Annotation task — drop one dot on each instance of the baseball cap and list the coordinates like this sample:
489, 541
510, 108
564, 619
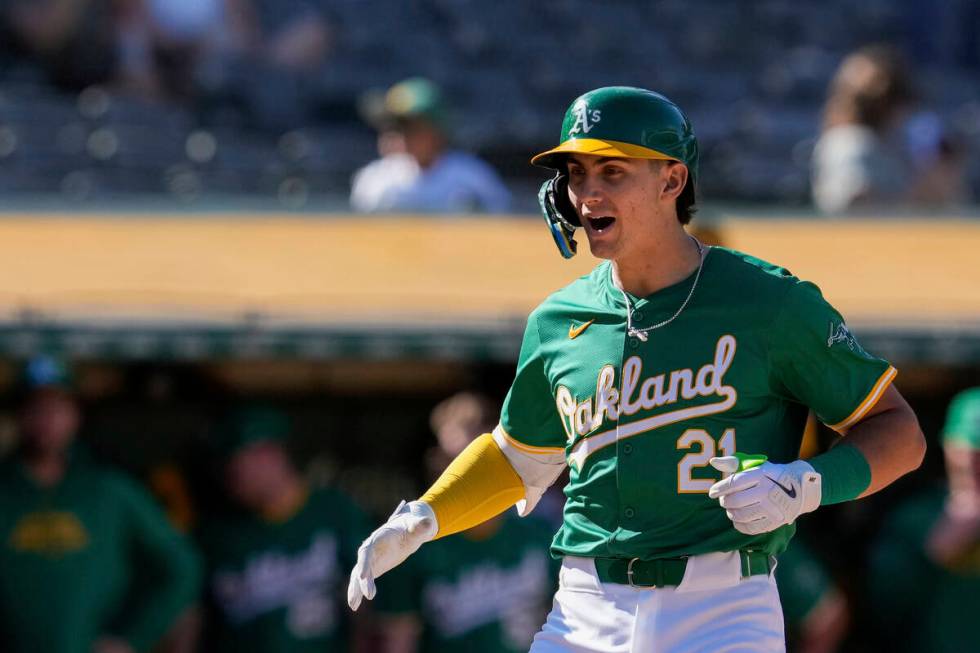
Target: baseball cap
963, 420
249, 425
409, 99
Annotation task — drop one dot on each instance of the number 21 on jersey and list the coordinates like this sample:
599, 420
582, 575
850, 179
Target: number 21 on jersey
690, 439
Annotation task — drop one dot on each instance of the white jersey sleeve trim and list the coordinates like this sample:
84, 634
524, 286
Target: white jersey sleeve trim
538, 467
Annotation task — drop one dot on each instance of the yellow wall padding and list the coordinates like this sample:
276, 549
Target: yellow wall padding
337, 269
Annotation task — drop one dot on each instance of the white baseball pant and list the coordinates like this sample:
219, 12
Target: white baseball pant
714, 610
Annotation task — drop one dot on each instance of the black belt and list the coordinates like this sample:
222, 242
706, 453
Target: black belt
669, 572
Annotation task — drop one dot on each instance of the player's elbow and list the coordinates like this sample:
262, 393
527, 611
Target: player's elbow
913, 440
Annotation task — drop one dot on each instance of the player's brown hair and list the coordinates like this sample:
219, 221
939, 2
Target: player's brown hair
685, 204
869, 87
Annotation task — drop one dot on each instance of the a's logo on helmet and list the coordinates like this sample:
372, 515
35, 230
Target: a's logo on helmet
585, 119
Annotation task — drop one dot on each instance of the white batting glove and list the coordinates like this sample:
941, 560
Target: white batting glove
409, 527
763, 498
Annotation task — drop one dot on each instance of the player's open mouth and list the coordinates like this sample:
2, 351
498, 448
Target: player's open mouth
600, 224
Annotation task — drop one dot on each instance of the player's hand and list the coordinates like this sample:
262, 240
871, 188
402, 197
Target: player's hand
763, 498
954, 534
109, 644
409, 527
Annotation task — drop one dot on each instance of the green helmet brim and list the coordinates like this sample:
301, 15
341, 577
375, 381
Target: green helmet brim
597, 147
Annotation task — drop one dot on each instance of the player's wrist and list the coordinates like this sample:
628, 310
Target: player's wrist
427, 523
845, 474
810, 482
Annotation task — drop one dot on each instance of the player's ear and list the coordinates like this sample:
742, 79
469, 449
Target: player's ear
675, 174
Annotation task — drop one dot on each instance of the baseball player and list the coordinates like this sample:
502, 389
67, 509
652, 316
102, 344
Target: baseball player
674, 382
90, 563
930, 544
275, 560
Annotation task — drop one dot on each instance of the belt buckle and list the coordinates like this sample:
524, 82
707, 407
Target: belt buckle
629, 576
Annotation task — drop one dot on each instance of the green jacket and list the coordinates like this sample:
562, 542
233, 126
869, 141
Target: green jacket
90, 556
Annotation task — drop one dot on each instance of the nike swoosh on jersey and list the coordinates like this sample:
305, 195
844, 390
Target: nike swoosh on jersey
575, 331
791, 491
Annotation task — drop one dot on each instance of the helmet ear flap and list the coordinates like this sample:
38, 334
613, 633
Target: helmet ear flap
559, 214
562, 202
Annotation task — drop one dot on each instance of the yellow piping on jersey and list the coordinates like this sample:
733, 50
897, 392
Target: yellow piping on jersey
478, 484
527, 448
869, 402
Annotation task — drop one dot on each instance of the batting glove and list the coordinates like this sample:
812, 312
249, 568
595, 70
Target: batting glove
765, 497
409, 527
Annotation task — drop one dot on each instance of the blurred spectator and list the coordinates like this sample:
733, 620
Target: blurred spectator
147, 47
75, 41
277, 563
875, 151
487, 589
418, 170
814, 609
293, 34
161, 43
925, 571
250, 50
267, 67
90, 564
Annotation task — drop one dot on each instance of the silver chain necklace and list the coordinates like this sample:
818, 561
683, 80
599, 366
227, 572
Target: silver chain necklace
641, 334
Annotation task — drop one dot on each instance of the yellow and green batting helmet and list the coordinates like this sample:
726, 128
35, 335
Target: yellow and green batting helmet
628, 122
613, 121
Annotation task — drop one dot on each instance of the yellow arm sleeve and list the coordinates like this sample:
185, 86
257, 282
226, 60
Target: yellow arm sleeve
477, 485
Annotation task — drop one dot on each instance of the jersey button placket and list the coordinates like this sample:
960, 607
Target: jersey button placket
624, 474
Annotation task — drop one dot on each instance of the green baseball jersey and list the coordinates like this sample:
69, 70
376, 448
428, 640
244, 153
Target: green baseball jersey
276, 587
637, 420
477, 594
919, 605
89, 556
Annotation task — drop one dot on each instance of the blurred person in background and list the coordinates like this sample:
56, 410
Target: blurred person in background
925, 564
180, 48
276, 560
268, 63
876, 150
148, 48
484, 590
815, 610
89, 563
74, 41
419, 171
262, 55
294, 35
162, 42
